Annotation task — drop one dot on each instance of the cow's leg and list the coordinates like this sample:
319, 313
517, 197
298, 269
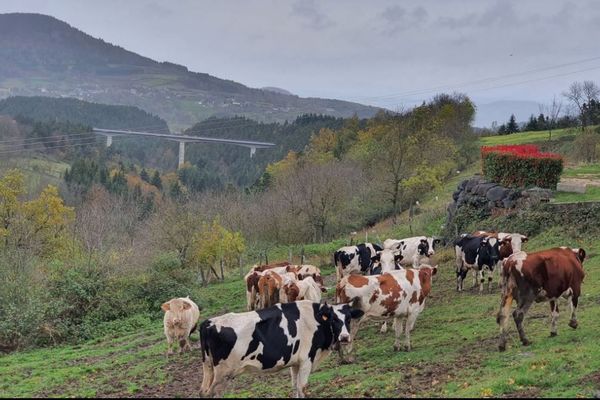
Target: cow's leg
475, 276
461, 275
183, 344
502, 318
398, 325
218, 382
498, 268
481, 275
410, 325
490, 278
525, 303
383, 327
207, 376
573, 304
302, 378
553, 317
170, 342
294, 373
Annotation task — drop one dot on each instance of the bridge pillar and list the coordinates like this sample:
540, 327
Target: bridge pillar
181, 154
252, 151
108, 140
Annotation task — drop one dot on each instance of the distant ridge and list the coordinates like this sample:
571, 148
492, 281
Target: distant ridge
276, 90
41, 55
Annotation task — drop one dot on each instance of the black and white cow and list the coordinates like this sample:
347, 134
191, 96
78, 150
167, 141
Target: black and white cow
480, 253
298, 335
415, 250
355, 259
386, 260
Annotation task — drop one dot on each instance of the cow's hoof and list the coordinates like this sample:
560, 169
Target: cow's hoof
348, 360
401, 347
526, 342
553, 334
573, 324
502, 348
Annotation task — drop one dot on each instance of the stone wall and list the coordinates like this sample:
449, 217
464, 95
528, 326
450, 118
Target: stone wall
492, 198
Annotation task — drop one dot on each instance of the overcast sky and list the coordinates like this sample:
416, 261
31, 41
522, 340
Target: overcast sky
378, 52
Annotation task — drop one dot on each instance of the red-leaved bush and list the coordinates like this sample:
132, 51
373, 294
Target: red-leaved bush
520, 166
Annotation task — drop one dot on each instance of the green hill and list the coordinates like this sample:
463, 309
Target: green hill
81, 112
44, 56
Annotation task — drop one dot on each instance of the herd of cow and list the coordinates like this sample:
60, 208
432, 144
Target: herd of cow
287, 324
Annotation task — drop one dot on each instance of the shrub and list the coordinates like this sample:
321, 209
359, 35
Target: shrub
167, 279
586, 147
520, 166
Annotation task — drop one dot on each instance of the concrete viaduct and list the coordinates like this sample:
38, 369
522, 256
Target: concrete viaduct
182, 139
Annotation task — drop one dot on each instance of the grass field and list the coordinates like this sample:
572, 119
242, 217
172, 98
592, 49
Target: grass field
454, 353
530, 137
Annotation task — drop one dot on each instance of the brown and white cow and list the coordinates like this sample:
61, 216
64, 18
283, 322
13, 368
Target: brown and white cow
306, 270
541, 276
397, 294
253, 276
270, 284
294, 290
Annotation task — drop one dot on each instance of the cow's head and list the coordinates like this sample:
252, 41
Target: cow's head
338, 318
424, 249
390, 260
489, 250
505, 248
580, 254
177, 307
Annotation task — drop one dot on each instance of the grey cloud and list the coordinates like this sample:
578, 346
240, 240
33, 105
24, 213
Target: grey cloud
314, 18
501, 13
397, 18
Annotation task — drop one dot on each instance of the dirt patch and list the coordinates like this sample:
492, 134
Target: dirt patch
528, 393
184, 377
593, 378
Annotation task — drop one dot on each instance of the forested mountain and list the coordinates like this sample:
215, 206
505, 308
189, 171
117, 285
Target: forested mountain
96, 115
40, 55
47, 124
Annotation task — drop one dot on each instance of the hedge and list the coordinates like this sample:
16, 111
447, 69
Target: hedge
521, 166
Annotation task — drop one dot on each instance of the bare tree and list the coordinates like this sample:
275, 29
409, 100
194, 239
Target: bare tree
320, 192
581, 94
552, 112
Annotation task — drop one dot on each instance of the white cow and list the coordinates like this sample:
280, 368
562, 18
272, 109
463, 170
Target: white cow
181, 319
415, 250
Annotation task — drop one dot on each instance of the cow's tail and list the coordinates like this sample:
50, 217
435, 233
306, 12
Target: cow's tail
204, 338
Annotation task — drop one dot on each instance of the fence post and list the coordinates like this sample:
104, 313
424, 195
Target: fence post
302, 256
290, 254
222, 270
240, 264
266, 257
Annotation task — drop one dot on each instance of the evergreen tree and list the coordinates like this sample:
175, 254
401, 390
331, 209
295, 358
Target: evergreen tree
532, 124
512, 126
144, 175
156, 181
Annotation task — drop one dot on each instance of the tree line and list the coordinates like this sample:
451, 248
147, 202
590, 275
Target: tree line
584, 101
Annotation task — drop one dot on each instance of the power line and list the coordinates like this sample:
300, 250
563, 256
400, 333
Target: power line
479, 81
50, 147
